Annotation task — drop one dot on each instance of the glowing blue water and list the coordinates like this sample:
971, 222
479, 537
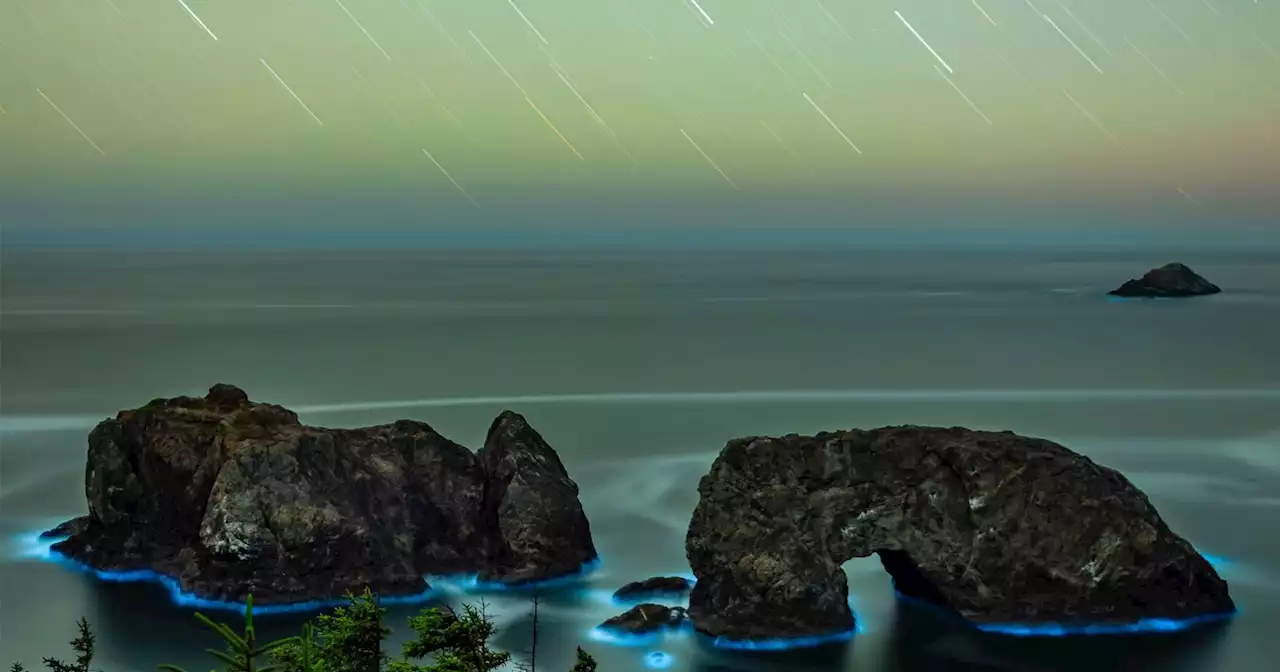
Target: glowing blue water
784, 644
587, 568
625, 639
614, 638
1219, 564
1141, 626
658, 660
31, 546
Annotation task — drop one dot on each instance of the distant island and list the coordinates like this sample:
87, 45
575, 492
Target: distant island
1168, 281
230, 498
1014, 534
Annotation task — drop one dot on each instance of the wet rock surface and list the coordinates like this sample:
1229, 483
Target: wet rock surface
645, 618
1168, 281
996, 527
541, 527
231, 497
658, 586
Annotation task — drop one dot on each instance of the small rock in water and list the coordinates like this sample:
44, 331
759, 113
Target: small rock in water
1168, 281
656, 586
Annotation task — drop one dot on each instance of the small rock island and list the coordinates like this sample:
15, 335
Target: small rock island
230, 497
998, 528
643, 619
1168, 281
657, 586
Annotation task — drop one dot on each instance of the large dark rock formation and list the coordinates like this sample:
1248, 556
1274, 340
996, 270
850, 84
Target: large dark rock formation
232, 497
1168, 281
532, 504
996, 527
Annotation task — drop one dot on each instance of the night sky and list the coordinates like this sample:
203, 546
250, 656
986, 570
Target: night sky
344, 114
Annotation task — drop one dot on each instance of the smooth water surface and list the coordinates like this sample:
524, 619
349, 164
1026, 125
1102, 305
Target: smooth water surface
637, 367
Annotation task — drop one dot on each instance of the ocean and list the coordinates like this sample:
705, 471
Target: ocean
637, 366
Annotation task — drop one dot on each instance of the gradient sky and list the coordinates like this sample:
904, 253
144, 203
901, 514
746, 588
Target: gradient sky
410, 113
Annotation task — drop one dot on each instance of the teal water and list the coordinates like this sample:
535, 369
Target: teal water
637, 367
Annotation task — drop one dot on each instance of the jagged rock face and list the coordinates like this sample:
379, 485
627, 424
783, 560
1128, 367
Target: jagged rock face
997, 527
1170, 280
644, 618
540, 522
655, 586
233, 497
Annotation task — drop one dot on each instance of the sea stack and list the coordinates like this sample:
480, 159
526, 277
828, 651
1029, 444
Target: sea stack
1004, 530
230, 497
1168, 281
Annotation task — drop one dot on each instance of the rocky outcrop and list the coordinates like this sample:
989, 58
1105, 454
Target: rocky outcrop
1168, 281
533, 504
644, 619
231, 497
996, 527
658, 586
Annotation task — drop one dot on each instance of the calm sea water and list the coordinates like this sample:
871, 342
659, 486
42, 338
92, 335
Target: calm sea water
637, 367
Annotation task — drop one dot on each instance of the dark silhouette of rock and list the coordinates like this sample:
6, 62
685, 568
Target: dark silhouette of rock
653, 587
539, 519
644, 618
232, 497
1169, 281
996, 527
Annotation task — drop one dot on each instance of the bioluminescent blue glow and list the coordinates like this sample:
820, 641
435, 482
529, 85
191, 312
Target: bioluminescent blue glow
1141, 626
42, 549
658, 660
588, 567
1083, 629
627, 639
34, 546
791, 643
783, 643
1219, 563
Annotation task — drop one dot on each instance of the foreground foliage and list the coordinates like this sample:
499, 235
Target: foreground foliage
348, 640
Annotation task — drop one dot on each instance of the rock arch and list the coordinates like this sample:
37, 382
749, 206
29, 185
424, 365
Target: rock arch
994, 526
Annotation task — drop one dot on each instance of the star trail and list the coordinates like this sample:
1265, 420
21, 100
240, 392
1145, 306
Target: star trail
1062, 98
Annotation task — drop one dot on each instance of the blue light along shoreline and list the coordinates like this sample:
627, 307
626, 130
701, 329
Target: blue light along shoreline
785, 643
1145, 626
37, 546
684, 628
1142, 626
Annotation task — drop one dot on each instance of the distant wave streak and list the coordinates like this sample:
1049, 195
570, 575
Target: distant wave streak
16, 424
803, 396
